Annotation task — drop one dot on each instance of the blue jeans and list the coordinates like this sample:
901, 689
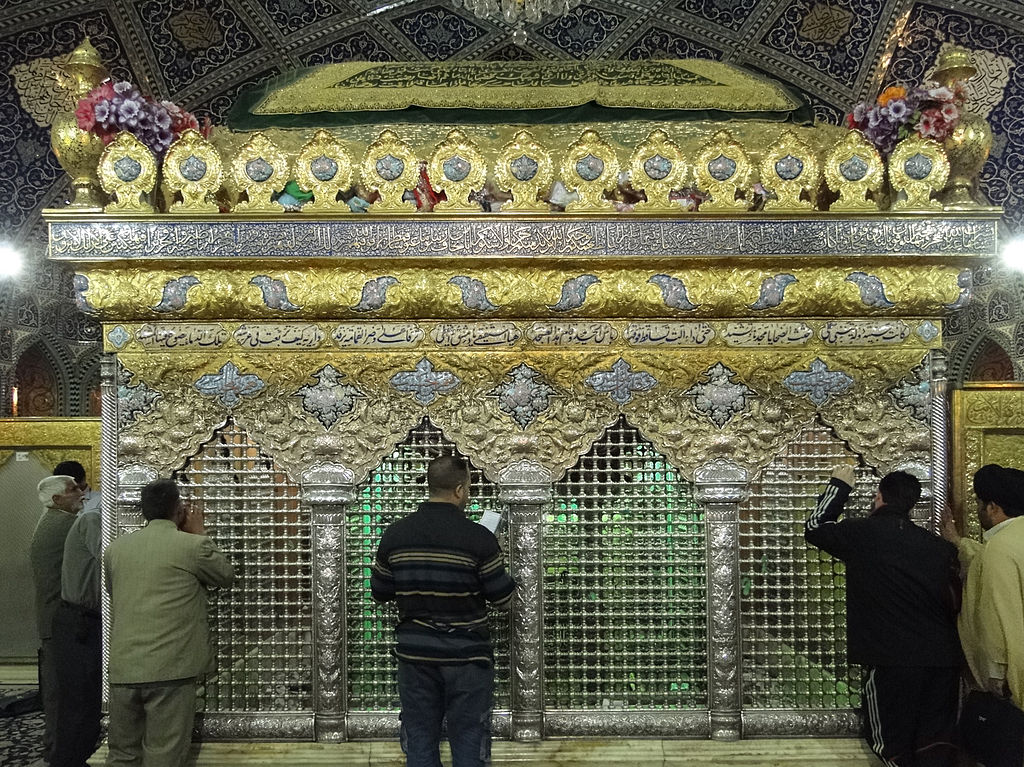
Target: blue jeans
463, 693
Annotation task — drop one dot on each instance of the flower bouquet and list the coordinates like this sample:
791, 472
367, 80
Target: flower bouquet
900, 112
112, 107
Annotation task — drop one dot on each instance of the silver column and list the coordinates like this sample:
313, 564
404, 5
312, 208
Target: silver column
328, 489
526, 488
721, 486
938, 423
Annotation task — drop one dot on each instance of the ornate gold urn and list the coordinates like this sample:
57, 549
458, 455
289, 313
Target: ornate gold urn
968, 146
77, 150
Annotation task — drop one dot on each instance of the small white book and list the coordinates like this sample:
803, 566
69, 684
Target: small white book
491, 520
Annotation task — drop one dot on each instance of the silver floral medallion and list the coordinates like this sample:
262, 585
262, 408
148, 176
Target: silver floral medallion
789, 167
854, 168
524, 168
722, 168
228, 385
132, 401
424, 383
329, 399
389, 167
621, 382
127, 168
718, 397
118, 336
193, 168
918, 167
323, 168
524, 395
590, 167
657, 167
818, 383
456, 168
259, 169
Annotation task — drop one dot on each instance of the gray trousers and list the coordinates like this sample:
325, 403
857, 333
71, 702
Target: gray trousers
48, 693
150, 726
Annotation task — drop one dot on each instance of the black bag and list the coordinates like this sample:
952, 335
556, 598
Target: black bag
992, 730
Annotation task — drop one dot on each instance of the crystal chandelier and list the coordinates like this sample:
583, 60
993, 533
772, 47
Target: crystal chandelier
517, 12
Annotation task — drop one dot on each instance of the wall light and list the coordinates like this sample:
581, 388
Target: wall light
11, 260
1012, 253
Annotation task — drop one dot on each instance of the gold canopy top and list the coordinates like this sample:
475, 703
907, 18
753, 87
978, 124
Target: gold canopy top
690, 84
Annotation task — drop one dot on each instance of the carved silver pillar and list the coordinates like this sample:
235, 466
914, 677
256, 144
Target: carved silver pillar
108, 484
328, 489
721, 486
938, 423
526, 488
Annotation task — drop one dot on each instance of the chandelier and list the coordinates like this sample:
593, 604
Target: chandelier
517, 12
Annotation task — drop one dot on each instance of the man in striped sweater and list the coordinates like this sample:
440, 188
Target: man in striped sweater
902, 587
443, 570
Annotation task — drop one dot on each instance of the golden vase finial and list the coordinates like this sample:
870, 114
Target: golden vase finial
79, 151
968, 146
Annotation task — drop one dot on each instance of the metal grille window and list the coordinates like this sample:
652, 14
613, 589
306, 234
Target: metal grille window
792, 604
260, 626
624, 583
396, 488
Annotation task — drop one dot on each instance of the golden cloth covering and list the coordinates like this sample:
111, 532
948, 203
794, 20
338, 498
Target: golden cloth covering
675, 85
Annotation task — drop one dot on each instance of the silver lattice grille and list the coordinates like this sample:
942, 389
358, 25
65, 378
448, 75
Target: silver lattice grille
624, 583
260, 626
396, 488
793, 609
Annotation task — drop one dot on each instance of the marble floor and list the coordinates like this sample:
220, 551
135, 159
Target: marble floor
19, 747
565, 753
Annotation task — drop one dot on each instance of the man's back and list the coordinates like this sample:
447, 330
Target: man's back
901, 584
157, 577
442, 569
900, 591
47, 556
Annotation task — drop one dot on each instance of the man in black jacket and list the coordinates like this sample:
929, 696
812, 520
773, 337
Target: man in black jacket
901, 605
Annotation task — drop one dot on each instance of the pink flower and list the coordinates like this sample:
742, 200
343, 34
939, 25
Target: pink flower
932, 125
85, 116
950, 113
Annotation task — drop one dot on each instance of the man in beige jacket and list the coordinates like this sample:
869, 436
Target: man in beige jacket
159, 640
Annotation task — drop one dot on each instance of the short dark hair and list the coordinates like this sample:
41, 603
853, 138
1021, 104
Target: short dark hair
160, 499
446, 473
71, 469
900, 491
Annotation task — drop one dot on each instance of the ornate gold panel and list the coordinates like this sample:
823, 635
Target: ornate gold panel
390, 167
192, 168
524, 168
128, 172
476, 289
790, 169
591, 168
457, 167
657, 167
259, 169
724, 171
324, 167
54, 440
918, 168
854, 168
988, 427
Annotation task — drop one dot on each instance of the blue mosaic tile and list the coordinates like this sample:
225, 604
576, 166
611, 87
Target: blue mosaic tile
438, 33
295, 15
581, 32
191, 39
728, 13
833, 38
361, 46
